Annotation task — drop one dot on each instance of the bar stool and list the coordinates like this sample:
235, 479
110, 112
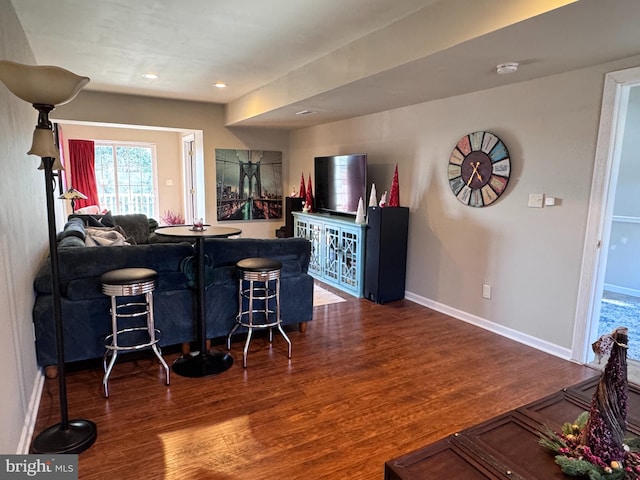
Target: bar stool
259, 279
129, 282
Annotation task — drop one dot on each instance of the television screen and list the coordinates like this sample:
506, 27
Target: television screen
340, 182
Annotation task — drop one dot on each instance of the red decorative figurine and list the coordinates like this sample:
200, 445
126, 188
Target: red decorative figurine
394, 195
303, 193
308, 202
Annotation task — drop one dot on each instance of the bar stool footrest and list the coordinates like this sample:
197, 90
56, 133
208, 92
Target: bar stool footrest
108, 341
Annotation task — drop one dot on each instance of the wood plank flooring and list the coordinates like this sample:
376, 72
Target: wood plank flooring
366, 383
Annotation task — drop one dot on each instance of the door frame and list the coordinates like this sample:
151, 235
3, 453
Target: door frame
605, 173
193, 176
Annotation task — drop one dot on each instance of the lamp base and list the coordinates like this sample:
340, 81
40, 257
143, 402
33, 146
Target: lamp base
79, 436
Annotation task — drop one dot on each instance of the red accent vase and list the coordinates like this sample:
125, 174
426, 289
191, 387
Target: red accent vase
309, 198
303, 192
394, 195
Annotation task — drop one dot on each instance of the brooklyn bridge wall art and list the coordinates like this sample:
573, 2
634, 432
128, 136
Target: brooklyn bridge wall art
248, 184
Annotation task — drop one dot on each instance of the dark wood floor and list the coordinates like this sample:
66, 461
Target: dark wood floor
366, 383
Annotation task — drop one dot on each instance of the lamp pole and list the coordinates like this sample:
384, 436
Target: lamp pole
77, 435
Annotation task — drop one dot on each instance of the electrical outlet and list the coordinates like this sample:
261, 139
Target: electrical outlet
486, 291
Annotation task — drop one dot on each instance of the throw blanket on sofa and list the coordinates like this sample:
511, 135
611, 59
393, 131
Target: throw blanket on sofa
104, 237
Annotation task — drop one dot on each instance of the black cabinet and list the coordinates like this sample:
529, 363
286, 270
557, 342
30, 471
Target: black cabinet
386, 253
291, 204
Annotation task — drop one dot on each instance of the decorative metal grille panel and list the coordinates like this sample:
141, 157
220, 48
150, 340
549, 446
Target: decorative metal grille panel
349, 270
315, 263
332, 253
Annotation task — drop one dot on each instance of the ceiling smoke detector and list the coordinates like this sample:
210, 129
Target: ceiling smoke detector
505, 68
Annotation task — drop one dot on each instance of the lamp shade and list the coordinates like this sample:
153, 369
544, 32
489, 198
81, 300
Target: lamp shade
73, 194
41, 84
43, 144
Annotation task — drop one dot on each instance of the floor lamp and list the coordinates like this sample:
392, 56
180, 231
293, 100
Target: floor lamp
73, 195
45, 88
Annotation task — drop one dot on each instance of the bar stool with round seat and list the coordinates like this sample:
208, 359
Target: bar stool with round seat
259, 282
130, 282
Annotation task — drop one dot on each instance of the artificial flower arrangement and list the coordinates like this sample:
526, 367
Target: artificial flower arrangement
171, 218
594, 446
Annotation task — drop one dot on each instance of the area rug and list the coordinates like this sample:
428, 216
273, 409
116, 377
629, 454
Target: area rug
322, 296
618, 310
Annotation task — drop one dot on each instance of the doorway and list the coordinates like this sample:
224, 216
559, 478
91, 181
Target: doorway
612, 245
620, 299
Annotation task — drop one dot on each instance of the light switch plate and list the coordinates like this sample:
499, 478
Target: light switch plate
536, 200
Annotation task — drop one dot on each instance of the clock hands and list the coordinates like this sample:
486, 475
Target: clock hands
475, 172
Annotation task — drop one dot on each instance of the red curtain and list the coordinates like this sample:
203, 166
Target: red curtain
83, 174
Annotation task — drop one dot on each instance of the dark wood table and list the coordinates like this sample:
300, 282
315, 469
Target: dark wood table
205, 362
506, 447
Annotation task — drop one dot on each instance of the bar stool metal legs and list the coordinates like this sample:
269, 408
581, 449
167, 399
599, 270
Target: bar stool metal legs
130, 282
259, 285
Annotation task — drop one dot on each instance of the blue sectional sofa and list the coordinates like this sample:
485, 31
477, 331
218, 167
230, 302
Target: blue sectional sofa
85, 309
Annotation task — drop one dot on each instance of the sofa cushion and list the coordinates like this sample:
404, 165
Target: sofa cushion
136, 226
97, 220
73, 228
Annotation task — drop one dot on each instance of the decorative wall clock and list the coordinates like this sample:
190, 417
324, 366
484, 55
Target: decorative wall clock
479, 169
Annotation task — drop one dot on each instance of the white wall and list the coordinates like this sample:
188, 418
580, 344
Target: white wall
530, 257
208, 117
23, 243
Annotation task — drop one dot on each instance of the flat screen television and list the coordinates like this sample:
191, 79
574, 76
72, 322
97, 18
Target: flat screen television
340, 182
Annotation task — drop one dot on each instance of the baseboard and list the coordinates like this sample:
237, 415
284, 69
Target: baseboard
623, 290
32, 414
538, 344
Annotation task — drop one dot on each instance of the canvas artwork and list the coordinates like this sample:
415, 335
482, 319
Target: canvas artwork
248, 184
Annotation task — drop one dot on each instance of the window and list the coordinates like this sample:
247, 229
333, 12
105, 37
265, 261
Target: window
125, 178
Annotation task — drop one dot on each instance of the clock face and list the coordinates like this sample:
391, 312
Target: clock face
479, 169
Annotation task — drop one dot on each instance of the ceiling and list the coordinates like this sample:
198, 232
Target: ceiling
336, 58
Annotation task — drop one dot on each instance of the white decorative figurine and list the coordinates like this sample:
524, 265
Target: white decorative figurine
373, 198
360, 212
383, 199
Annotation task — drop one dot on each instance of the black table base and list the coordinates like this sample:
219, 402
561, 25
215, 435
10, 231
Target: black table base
202, 364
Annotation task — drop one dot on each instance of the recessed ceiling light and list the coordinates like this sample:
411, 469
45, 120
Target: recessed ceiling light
505, 68
149, 76
306, 112
220, 85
